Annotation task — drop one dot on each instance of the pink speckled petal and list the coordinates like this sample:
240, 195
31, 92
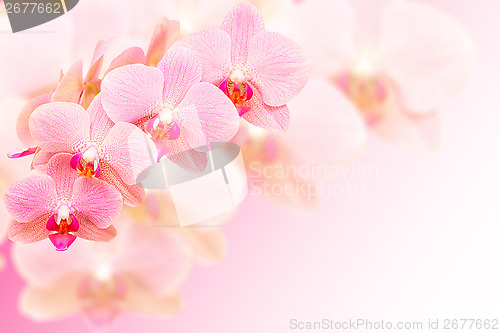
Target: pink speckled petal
22, 124
242, 23
90, 231
129, 151
181, 70
133, 195
31, 198
207, 115
279, 67
272, 118
60, 127
132, 92
429, 62
96, 201
100, 123
59, 168
31, 232
213, 49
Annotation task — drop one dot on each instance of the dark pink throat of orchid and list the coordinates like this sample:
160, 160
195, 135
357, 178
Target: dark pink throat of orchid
62, 223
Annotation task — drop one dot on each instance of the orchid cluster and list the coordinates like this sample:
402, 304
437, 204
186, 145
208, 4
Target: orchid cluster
93, 137
385, 66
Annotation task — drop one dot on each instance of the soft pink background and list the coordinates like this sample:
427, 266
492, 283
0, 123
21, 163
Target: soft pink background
423, 242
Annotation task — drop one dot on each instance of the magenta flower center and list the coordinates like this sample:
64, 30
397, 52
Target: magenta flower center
163, 126
63, 224
236, 87
87, 163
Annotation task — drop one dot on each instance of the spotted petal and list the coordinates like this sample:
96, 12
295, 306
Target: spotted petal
181, 70
242, 23
207, 115
96, 201
31, 198
279, 68
213, 49
129, 151
60, 127
132, 92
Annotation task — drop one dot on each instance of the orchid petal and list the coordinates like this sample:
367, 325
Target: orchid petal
213, 49
262, 115
207, 115
100, 124
132, 92
90, 231
60, 127
96, 201
165, 34
133, 195
133, 55
27, 152
279, 68
22, 124
242, 23
31, 198
59, 168
31, 232
181, 70
129, 151
71, 86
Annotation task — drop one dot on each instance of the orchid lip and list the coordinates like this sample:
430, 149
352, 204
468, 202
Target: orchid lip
62, 241
239, 91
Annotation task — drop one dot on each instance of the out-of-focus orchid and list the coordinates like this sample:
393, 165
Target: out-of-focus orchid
284, 167
62, 206
397, 61
116, 154
140, 272
259, 71
207, 243
171, 104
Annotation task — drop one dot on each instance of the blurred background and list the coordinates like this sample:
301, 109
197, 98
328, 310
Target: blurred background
418, 241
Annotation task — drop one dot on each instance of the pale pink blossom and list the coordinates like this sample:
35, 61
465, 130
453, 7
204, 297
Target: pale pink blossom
397, 61
171, 104
259, 71
62, 206
116, 153
140, 272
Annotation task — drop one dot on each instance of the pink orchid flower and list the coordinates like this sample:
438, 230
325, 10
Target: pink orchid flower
259, 71
62, 206
139, 272
397, 61
117, 154
289, 168
171, 104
